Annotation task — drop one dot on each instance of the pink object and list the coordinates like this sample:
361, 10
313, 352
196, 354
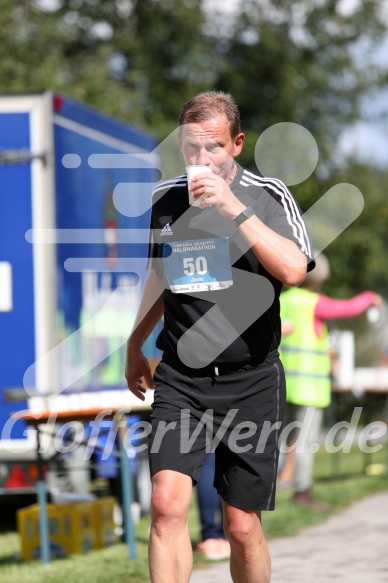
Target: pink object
330, 308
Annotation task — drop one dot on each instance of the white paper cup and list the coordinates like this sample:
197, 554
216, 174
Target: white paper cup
191, 172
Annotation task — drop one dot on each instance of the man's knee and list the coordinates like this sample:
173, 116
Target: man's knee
238, 533
171, 495
243, 528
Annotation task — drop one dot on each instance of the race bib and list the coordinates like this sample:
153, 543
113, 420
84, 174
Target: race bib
197, 265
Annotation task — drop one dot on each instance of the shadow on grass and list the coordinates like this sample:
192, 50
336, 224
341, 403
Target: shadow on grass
339, 477
15, 559
10, 560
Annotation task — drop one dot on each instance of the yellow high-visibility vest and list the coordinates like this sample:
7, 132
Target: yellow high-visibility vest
304, 355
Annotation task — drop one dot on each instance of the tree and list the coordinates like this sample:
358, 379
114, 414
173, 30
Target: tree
357, 256
45, 50
136, 60
141, 59
303, 61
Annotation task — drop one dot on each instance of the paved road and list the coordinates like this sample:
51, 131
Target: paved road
349, 547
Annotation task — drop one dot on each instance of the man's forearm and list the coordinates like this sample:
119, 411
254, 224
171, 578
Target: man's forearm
279, 256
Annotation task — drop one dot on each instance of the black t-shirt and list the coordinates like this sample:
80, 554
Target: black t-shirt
234, 331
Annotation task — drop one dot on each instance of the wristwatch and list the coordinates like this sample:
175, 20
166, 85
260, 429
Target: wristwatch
246, 213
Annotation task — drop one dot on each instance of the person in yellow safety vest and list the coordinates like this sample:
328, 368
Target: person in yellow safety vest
305, 354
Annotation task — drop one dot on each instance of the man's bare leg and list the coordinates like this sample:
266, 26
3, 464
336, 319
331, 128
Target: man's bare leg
250, 561
170, 552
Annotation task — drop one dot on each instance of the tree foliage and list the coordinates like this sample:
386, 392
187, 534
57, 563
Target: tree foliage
300, 61
357, 257
138, 60
141, 59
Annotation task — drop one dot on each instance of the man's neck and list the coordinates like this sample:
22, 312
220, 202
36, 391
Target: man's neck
231, 175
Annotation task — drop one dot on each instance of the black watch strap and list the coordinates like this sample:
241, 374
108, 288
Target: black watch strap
246, 213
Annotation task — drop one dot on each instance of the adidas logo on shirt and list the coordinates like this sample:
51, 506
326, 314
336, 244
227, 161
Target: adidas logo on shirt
166, 230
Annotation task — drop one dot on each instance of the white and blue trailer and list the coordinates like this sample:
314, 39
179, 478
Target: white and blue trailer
75, 197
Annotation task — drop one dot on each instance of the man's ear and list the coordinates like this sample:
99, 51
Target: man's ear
180, 139
238, 143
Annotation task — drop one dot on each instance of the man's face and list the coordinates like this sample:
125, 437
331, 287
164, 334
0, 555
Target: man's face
210, 143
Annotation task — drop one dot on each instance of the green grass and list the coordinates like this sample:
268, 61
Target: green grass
339, 480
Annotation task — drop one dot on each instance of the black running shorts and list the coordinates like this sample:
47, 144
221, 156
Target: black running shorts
238, 413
